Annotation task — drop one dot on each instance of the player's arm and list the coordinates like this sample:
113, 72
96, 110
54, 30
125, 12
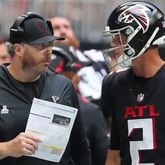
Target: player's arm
113, 157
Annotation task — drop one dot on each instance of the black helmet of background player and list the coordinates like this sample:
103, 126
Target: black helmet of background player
63, 60
141, 23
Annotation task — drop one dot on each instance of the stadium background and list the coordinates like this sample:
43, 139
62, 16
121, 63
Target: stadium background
88, 17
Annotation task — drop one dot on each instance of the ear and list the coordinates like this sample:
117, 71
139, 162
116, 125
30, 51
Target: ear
18, 48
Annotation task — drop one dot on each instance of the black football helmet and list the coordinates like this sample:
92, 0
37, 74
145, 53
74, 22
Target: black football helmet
64, 60
142, 24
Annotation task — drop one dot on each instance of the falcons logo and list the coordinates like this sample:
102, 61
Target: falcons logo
136, 13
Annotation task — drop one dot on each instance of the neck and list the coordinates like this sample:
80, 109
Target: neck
22, 75
148, 64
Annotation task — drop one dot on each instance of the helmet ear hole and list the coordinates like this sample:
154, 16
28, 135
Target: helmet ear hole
129, 31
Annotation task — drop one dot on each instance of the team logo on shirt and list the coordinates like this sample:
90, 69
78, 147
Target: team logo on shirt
140, 111
4, 110
140, 97
55, 98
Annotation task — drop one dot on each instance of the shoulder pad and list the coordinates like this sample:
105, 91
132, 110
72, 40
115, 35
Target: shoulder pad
109, 77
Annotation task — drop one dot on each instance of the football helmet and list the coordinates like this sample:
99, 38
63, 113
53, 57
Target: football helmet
64, 60
132, 28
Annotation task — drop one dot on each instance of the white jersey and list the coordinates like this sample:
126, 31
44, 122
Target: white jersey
92, 76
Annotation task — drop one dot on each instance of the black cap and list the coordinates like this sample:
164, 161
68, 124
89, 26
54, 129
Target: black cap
32, 28
64, 60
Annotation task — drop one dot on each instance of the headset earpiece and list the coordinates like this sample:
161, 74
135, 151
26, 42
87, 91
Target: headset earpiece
50, 26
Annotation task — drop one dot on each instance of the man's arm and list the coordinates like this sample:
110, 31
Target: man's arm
99, 140
80, 148
79, 144
113, 157
22, 144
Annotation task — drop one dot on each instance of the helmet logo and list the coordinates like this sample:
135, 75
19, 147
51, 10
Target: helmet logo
41, 27
138, 14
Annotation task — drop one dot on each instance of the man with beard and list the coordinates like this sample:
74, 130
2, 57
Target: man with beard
28, 76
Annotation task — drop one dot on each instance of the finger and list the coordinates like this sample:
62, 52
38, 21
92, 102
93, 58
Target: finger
31, 142
27, 151
32, 136
30, 148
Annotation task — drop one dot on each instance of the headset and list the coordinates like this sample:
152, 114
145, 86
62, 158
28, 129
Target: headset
17, 26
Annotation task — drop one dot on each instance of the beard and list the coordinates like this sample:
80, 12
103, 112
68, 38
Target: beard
34, 62
28, 62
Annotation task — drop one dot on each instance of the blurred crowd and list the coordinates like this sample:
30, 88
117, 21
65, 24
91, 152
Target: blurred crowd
81, 13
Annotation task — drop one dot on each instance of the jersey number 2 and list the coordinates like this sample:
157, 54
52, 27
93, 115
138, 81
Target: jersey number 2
147, 126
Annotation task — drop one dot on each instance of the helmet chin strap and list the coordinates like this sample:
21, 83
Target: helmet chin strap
125, 61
